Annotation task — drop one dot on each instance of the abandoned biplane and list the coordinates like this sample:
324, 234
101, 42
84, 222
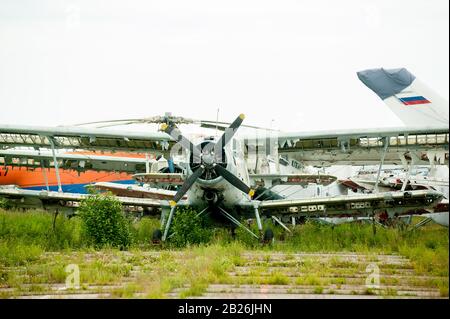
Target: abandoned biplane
222, 177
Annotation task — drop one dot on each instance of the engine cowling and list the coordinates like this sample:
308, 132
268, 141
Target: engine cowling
208, 159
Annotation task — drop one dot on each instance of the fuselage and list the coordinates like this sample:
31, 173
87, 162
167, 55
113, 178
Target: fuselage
72, 181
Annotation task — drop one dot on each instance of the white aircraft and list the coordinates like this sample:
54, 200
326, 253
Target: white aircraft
215, 177
415, 104
398, 179
391, 179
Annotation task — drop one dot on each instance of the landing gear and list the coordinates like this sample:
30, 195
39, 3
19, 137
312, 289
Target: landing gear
157, 236
235, 221
268, 236
233, 233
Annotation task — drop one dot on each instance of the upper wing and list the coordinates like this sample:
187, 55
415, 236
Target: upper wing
65, 137
359, 147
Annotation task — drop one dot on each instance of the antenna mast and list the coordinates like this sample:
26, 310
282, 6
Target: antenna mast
217, 121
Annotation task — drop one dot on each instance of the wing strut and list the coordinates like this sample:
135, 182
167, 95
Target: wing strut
408, 174
147, 163
169, 221
258, 219
55, 163
383, 155
281, 223
235, 221
423, 222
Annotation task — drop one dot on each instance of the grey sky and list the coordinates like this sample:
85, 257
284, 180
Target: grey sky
63, 62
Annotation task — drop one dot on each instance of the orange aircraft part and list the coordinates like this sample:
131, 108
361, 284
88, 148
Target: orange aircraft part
71, 180
24, 177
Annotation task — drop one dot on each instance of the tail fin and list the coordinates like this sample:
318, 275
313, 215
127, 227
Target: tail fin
411, 100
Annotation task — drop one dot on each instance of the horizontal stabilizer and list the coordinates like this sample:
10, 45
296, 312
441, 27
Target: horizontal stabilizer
268, 180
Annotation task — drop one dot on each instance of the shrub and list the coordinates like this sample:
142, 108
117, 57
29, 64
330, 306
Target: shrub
188, 228
5, 204
104, 222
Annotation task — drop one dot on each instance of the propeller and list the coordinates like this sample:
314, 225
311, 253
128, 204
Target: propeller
207, 159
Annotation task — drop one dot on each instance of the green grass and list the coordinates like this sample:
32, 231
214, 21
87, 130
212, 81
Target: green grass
429, 244
318, 290
143, 230
443, 290
278, 279
192, 272
312, 237
27, 240
17, 254
310, 280
102, 272
370, 291
41, 228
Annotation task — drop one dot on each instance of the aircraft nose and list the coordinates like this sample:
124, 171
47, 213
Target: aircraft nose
208, 159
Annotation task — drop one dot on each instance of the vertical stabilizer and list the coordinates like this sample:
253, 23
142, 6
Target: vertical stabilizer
410, 99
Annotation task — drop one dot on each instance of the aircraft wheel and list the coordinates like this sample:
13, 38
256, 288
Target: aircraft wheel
156, 236
268, 236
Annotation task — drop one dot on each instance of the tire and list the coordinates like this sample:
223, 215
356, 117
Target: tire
268, 236
156, 236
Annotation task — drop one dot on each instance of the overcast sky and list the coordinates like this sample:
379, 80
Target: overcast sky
65, 62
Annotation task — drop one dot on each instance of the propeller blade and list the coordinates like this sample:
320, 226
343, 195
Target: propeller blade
183, 141
227, 136
233, 180
186, 185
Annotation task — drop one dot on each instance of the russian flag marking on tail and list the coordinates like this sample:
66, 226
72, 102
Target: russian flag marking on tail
414, 103
413, 100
